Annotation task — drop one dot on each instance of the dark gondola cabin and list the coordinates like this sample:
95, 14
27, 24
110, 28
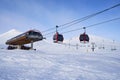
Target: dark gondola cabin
58, 38
84, 38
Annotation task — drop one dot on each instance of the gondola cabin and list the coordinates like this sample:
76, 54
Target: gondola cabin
58, 38
84, 38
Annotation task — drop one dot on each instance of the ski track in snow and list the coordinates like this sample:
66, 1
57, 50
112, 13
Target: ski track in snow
39, 65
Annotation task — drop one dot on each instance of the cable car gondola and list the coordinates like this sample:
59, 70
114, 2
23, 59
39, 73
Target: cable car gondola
84, 38
58, 38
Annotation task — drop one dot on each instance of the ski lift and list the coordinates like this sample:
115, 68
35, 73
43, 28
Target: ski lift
84, 38
57, 37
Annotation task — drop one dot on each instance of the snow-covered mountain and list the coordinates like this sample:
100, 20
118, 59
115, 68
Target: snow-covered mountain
68, 45
66, 61
7, 35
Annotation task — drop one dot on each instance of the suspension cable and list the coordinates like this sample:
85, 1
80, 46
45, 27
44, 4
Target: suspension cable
87, 26
87, 17
66, 25
92, 25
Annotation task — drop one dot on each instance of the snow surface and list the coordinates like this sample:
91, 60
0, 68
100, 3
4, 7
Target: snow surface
8, 35
53, 61
39, 65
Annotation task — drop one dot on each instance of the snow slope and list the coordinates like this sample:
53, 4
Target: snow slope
5, 36
60, 61
39, 65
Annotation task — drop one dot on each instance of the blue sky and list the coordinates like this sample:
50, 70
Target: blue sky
23, 15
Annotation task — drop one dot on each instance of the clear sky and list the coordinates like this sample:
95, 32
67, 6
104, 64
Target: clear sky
23, 15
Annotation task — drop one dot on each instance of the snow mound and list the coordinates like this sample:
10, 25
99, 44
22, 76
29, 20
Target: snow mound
5, 36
